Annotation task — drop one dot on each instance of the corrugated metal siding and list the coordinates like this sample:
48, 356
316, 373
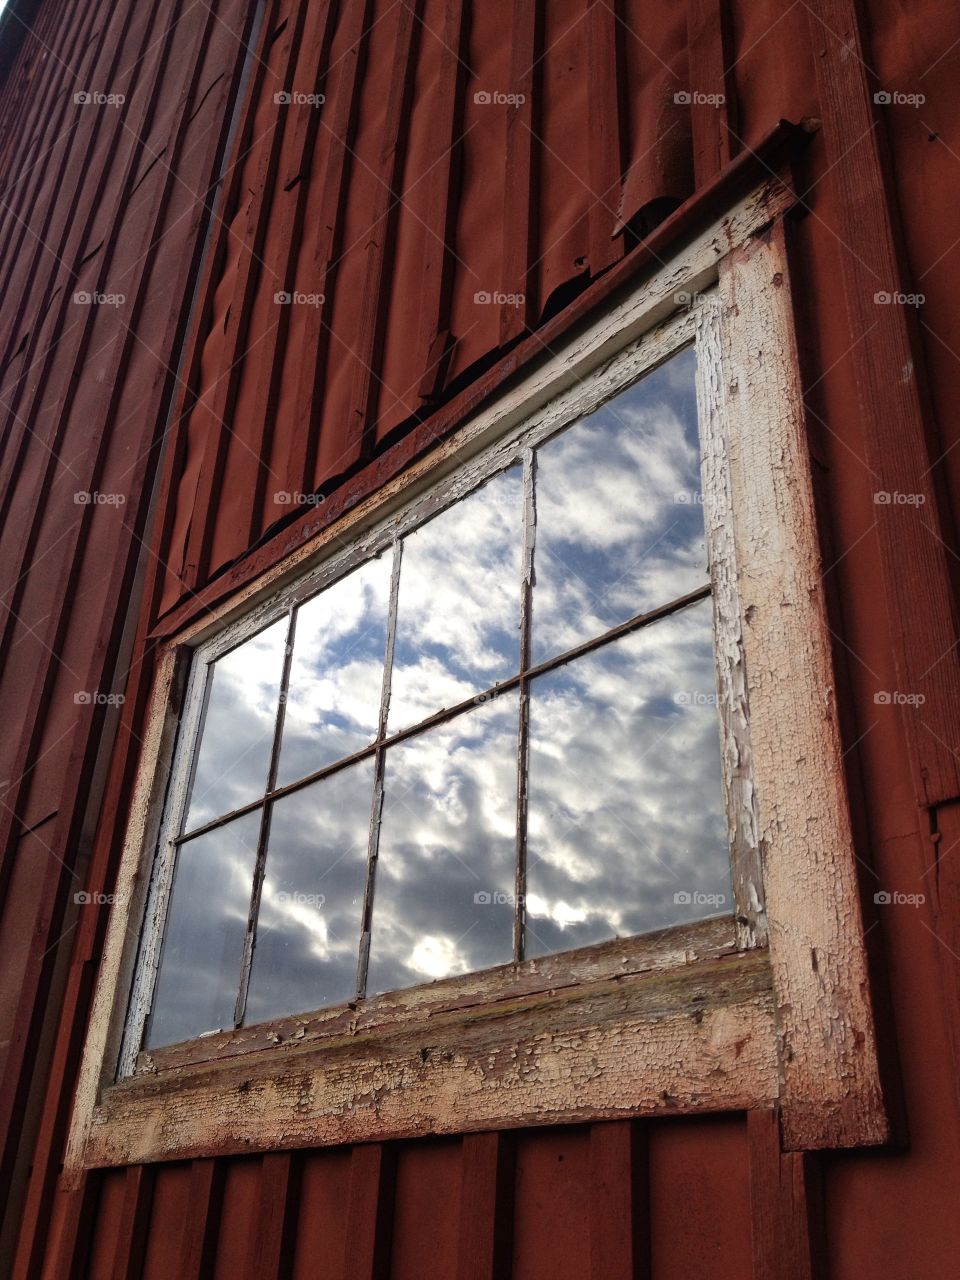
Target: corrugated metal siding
400, 200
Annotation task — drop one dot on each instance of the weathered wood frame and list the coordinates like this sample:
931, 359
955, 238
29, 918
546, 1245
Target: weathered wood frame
721, 1015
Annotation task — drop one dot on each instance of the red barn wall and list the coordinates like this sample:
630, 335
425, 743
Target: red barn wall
400, 200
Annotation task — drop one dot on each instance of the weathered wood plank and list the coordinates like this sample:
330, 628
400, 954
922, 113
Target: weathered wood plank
785, 1225
831, 1090
701, 1038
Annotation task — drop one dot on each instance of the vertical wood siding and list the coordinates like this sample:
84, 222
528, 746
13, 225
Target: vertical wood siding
401, 199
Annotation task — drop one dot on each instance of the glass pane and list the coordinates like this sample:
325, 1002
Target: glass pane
333, 701
308, 930
444, 891
626, 831
459, 607
199, 977
237, 737
619, 517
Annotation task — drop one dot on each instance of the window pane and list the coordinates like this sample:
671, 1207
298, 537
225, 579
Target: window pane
333, 700
237, 736
308, 930
459, 607
626, 824
619, 519
445, 877
199, 977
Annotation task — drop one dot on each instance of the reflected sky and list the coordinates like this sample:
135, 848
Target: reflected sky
445, 878
237, 737
625, 802
308, 929
336, 676
626, 831
619, 523
199, 976
459, 608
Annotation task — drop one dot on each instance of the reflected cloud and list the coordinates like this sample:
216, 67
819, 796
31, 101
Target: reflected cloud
445, 875
626, 829
199, 976
619, 524
237, 737
459, 609
308, 928
336, 674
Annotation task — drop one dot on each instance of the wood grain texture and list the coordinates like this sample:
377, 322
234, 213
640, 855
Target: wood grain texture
831, 1090
693, 1040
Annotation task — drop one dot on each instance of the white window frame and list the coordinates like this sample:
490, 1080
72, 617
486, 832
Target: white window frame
719, 1015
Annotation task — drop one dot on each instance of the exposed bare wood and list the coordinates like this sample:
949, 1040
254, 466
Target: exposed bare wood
740, 802
700, 1038
831, 1091
659, 952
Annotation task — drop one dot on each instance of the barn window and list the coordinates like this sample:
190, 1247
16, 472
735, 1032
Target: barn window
515, 794
489, 734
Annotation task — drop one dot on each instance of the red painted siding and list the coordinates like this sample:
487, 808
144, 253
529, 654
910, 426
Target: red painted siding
400, 200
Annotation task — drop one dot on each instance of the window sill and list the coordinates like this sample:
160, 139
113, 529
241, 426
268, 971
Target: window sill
668, 1023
